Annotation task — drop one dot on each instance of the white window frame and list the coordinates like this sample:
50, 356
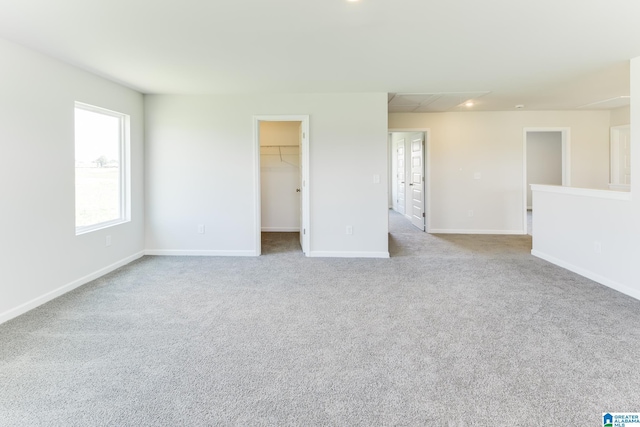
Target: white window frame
125, 172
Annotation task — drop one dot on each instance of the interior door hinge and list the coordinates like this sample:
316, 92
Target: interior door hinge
304, 231
423, 215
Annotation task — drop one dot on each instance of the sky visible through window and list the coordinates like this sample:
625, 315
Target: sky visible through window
96, 135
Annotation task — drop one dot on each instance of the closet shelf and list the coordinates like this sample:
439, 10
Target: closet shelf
279, 147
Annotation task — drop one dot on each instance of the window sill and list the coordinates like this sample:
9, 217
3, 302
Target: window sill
101, 226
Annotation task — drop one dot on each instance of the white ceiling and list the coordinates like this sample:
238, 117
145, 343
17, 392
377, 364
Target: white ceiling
545, 54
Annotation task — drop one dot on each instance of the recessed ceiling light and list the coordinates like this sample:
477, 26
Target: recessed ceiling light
519, 106
468, 104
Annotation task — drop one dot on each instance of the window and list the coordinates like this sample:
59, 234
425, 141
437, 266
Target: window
101, 160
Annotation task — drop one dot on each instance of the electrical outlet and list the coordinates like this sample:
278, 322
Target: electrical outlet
107, 241
477, 175
470, 213
349, 229
200, 228
376, 179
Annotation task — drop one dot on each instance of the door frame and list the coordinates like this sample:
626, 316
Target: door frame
393, 183
390, 170
305, 228
426, 171
565, 133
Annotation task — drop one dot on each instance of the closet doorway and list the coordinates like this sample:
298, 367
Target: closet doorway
282, 185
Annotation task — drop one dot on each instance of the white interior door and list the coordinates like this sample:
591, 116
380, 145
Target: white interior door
621, 155
305, 194
625, 145
299, 190
416, 184
400, 156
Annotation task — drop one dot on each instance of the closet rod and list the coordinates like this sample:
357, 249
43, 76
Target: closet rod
280, 152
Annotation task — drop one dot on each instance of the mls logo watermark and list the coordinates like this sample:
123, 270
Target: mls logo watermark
620, 419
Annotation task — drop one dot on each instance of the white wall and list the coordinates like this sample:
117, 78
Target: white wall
41, 257
593, 234
589, 234
620, 116
544, 160
491, 143
200, 170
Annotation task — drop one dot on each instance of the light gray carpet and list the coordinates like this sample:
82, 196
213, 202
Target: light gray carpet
451, 331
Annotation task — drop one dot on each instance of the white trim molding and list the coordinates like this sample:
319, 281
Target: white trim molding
463, 231
124, 159
305, 185
280, 229
339, 254
188, 252
30, 305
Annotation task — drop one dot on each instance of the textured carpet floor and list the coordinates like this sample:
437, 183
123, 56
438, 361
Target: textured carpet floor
451, 331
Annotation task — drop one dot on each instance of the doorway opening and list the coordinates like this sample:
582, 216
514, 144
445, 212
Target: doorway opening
620, 158
282, 181
409, 175
546, 161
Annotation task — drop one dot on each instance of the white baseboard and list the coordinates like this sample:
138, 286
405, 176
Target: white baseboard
30, 305
281, 229
634, 293
181, 252
337, 254
459, 231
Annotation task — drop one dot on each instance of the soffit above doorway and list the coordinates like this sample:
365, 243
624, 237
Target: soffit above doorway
608, 104
432, 102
